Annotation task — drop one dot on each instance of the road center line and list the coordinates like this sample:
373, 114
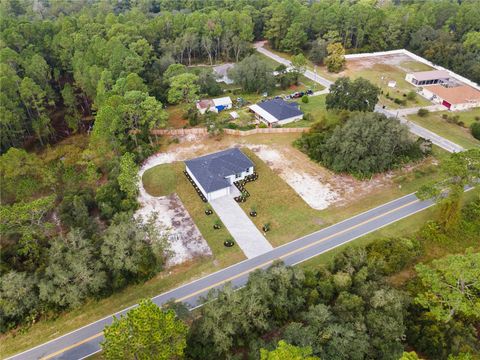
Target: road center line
245, 272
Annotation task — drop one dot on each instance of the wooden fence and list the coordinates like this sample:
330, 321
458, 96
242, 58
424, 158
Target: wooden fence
234, 132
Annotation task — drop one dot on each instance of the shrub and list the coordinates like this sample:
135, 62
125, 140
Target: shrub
412, 95
307, 117
423, 112
262, 126
305, 99
475, 130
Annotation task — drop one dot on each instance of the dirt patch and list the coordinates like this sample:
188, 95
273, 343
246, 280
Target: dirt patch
318, 187
185, 240
395, 60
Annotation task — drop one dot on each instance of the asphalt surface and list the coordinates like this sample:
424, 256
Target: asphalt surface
399, 114
421, 131
86, 340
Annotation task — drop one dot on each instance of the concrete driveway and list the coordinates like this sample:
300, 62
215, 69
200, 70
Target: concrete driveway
243, 230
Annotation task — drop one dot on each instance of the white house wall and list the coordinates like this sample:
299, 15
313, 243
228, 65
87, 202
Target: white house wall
232, 178
465, 106
221, 192
218, 193
289, 120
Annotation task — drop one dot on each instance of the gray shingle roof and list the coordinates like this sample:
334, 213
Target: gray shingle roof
280, 109
211, 170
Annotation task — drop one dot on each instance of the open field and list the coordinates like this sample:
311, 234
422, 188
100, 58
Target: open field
382, 69
453, 132
379, 70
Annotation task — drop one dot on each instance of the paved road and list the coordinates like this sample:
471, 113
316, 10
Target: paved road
85, 341
239, 225
400, 114
421, 131
309, 74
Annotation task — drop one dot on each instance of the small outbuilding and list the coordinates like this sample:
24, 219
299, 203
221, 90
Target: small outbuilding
431, 77
215, 173
276, 112
214, 105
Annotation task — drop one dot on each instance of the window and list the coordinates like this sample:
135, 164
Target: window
237, 176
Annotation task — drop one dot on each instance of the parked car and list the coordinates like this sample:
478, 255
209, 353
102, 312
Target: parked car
296, 95
287, 97
309, 92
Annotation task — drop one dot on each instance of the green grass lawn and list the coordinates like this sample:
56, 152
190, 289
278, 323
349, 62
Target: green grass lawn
317, 109
278, 204
452, 132
290, 217
413, 66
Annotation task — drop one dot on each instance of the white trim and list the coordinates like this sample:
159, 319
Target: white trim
265, 115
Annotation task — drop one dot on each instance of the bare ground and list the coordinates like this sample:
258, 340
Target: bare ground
319, 187
185, 240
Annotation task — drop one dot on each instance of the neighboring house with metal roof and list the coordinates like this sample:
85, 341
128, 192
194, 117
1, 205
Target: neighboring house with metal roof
276, 112
455, 98
215, 105
215, 173
221, 73
431, 77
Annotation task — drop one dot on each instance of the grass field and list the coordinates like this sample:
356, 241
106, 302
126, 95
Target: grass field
452, 132
278, 204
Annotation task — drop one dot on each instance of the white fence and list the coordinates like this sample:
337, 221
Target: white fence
416, 58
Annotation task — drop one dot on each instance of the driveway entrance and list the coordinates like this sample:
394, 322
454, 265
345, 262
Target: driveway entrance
243, 230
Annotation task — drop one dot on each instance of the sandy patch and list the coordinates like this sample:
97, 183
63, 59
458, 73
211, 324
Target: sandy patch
313, 189
184, 238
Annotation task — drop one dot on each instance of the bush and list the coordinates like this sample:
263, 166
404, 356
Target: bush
423, 112
305, 99
412, 95
475, 130
262, 126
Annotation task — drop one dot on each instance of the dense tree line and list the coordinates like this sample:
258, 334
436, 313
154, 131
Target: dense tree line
347, 309
67, 231
445, 32
64, 55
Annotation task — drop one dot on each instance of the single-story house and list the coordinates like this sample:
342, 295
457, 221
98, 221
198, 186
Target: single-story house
221, 73
215, 173
215, 105
276, 111
431, 77
461, 97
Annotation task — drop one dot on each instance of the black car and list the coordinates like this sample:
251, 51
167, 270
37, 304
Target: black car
309, 92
